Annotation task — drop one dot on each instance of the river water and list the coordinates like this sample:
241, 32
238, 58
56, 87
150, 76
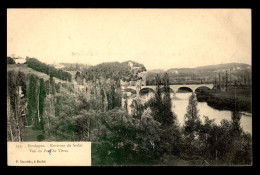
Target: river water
179, 107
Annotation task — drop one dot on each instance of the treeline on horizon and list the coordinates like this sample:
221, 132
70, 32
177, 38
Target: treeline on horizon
112, 70
117, 71
74, 66
204, 74
47, 69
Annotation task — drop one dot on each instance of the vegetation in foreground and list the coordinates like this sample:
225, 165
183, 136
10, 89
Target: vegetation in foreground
150, 136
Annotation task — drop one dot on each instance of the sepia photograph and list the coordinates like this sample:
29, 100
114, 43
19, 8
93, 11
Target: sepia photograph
146, 87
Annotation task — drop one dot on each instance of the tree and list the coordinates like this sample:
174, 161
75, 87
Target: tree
42, 97
192, 125
16, 105
61, 117
120, 139
138, 108
155, 104
192, 120
168, 117
78, 77
10, 60
52, 85
36, 94
161, 112
32, 98
161, 105
236, 116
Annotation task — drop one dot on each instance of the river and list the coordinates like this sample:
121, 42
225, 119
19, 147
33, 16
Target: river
179, 107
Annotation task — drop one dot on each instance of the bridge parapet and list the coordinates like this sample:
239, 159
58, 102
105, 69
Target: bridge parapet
175, 88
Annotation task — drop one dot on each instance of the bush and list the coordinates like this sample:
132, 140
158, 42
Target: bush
10, 60
40, 138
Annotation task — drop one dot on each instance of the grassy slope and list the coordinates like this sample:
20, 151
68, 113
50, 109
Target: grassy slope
23, 68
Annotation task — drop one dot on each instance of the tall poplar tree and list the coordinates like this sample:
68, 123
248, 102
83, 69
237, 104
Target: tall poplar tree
41, 102
168, 117
192, 119
31, 95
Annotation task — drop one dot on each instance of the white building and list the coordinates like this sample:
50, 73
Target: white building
130, 64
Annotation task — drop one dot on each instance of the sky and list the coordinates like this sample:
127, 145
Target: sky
157, 38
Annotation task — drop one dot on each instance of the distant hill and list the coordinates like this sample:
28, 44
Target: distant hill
207, 74
225, 66
213, 68
27, 70
156, 70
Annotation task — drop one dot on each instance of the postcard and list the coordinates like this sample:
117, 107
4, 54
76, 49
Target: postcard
129, 87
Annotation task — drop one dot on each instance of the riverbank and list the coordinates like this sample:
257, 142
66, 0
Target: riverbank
223, 100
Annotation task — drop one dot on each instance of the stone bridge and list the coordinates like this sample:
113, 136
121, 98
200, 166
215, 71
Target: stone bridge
173, 88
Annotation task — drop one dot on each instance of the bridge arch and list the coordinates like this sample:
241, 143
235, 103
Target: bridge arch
147, 93
202, 89
184, 89
129, 92
146, 90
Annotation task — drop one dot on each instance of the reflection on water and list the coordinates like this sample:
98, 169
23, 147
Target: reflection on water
179, 106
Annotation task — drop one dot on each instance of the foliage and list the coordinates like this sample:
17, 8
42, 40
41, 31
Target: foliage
220, 144
60, 116
161, 105
203, 74
119, 139
74, 66
16, 106
224, 100
141, 138
113, 70
10, 60
149, 136
36, 96
192, 120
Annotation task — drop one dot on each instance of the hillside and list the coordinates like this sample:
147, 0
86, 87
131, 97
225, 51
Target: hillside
26, 70
236, 72
47, 69
212, 68
127, 70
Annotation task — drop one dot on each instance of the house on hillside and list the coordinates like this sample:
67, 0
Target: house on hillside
130, 64
137, 76
135, 70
